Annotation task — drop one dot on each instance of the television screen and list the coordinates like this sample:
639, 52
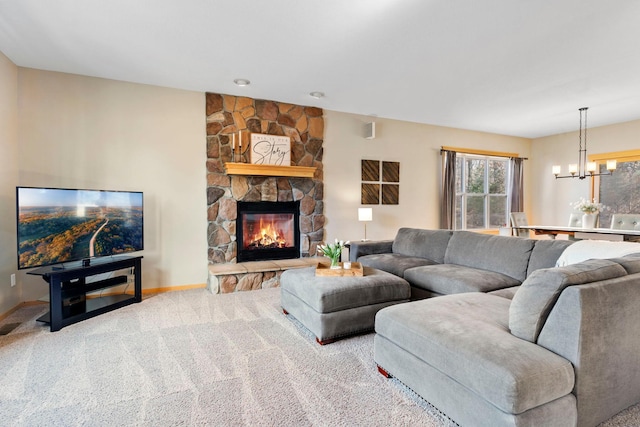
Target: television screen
58, 225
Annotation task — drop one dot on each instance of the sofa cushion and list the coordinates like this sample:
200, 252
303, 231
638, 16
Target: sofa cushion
358, 249
545, 254
631, 263
501, 254
508, 293
538, 294
393, 263
415, 242
454, 279
466, 337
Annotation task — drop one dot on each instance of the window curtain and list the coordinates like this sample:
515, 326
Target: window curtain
448, 191
517, 184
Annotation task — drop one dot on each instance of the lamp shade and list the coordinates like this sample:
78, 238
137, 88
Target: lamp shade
365, 214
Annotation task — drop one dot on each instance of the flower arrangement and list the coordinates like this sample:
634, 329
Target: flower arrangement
586, 206
333, 251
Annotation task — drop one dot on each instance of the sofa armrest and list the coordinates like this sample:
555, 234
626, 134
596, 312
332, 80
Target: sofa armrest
358, 249
595, 327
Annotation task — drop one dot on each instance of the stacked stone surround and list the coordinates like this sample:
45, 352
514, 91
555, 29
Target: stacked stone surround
227, 115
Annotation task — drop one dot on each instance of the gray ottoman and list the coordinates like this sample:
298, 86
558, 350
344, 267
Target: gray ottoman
334, 307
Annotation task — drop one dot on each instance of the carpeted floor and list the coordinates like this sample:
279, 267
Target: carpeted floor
193, 358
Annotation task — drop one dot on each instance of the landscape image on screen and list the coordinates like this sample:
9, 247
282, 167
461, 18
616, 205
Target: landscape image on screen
60, 225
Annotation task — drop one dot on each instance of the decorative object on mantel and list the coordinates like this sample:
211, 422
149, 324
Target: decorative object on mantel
365, 215
236, 149
270, 150
333, 251
233, 148
590, 211
583, 169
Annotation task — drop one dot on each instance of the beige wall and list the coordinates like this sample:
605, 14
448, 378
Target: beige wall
417, 148
551, 198
9, 297
84, 132
75, 131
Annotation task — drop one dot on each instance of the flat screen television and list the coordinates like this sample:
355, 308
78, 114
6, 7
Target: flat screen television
59, 225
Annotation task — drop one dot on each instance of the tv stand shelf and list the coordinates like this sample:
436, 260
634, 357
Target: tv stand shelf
68, 302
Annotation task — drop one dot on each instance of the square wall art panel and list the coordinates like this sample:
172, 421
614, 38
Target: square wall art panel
370, 194
376, 175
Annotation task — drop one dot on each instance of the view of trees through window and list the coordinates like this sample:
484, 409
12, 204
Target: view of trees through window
481, 191
620, 192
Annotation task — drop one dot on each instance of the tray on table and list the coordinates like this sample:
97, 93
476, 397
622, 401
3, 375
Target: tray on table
324, 269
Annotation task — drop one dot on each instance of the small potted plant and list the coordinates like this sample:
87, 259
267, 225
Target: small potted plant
333, 251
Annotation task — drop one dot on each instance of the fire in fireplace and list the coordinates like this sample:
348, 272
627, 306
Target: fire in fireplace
268, 230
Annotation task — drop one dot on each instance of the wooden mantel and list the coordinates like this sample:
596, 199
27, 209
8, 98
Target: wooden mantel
268, 170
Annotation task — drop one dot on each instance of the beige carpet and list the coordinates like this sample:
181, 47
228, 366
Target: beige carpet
193, 358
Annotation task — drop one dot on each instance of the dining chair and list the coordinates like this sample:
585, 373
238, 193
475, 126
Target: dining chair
625, 222
518, 219
575, 220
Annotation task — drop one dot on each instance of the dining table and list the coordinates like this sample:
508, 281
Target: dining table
584, 233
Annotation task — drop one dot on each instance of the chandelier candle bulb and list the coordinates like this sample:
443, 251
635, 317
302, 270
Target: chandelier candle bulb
611, 165
591, 166
573, 169
556, 169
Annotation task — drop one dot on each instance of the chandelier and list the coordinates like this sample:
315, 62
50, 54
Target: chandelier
583, 168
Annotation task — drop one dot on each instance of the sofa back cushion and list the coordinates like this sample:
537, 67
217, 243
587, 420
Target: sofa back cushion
500, 254
630, 262
538, 294
545, 254
415, 242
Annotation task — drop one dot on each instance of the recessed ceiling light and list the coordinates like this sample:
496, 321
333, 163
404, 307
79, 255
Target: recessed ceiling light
242, 82
316, 95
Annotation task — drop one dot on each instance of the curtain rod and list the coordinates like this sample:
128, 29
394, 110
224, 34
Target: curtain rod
481, 152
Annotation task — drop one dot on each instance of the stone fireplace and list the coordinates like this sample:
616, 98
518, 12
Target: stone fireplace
227, 115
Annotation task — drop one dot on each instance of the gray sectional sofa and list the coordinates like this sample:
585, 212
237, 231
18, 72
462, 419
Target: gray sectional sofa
564, 351
441, 262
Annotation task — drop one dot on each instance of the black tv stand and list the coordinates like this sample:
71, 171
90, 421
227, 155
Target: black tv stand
68, 302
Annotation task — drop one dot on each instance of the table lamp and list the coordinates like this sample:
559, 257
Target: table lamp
364, 215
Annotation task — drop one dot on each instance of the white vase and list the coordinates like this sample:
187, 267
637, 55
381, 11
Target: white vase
589, 220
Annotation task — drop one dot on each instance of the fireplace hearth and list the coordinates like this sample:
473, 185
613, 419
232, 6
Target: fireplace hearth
268, 230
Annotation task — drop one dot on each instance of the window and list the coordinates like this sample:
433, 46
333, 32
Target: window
620, 192
481, 191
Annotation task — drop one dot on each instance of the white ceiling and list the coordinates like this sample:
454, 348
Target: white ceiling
514, 67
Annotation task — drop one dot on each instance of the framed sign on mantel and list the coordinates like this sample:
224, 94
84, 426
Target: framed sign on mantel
270, 150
